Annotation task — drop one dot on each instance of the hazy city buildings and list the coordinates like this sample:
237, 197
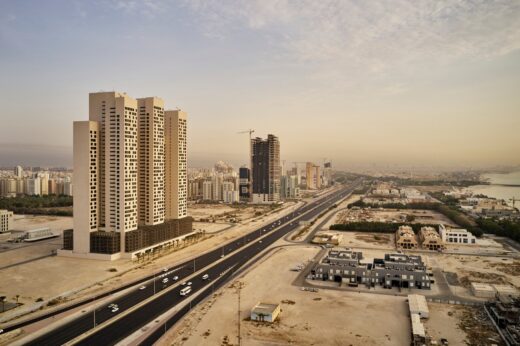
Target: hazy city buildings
130, 174
265, 170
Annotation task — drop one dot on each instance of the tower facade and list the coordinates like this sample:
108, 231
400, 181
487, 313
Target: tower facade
176, 186
265, 170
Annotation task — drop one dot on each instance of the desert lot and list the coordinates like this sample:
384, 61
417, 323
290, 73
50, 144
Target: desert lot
327, 317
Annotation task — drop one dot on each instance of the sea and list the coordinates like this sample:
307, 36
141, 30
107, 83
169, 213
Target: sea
497, 188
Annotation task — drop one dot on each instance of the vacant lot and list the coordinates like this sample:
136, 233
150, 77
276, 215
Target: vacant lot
325, 318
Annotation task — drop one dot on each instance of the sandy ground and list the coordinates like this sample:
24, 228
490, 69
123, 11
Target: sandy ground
323, 318
62, 273
443, 323
392, 215
480, 269
225, 212
211, 227
367, 240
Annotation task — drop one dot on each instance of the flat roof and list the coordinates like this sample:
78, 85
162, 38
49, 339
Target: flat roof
482, 286
417, 303
417, 326
265, 308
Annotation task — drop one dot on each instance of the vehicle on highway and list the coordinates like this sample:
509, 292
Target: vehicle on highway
184, 283
111, 306
175, 278
205, 277
189, 283
142, 288
116, 309
165, 270
185, 291
165, 280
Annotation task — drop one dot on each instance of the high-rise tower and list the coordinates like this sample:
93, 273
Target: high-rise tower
265, 170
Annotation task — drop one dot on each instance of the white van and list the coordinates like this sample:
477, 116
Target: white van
185, 291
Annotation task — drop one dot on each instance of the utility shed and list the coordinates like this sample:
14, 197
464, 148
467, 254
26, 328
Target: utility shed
482, 290
417, 304
507, 290
265, 312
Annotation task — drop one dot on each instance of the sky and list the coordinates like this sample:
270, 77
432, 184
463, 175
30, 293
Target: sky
425, 83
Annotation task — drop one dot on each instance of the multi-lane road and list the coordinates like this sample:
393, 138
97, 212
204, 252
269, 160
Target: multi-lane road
219, 264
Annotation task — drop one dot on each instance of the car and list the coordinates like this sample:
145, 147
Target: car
222, 256
205, 277
142, 288
260, 242
184, 283
175, 278
116, 309
165, 270
189, 283
165, 280
1, 331
111, 306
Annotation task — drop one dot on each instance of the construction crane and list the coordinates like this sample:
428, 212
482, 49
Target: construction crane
250, 131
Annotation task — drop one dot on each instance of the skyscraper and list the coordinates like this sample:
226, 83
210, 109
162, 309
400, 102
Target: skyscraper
313, 176
130, 176
265, 170
176, 165
151, 161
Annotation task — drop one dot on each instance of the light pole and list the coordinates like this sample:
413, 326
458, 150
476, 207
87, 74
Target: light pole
154, 283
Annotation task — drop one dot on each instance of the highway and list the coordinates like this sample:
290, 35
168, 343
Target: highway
232, 256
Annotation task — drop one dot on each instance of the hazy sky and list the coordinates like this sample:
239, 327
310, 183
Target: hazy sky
358, 82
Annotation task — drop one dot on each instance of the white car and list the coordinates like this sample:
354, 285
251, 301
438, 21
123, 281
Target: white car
175, 278
165, 270
142, 288
205, 277
189, 283
184, 283
165, 280
116, 309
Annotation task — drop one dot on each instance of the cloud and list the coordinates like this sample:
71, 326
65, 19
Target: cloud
374, 35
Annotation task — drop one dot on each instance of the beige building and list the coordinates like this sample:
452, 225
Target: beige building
86, 201
151, 171
6, 220
405, 238
130, 178
313, 176
176, 182
430, 239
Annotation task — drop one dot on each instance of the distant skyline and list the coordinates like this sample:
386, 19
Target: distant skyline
360, 83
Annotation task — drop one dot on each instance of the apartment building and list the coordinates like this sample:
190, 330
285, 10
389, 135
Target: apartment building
6, 220
151, 172
176, 164
130, 188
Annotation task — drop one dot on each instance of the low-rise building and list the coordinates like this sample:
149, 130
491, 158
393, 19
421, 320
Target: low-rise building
395, 270
430, 239
417, 305
263, 312
456, 235
482, 290
6, 220
405, 238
